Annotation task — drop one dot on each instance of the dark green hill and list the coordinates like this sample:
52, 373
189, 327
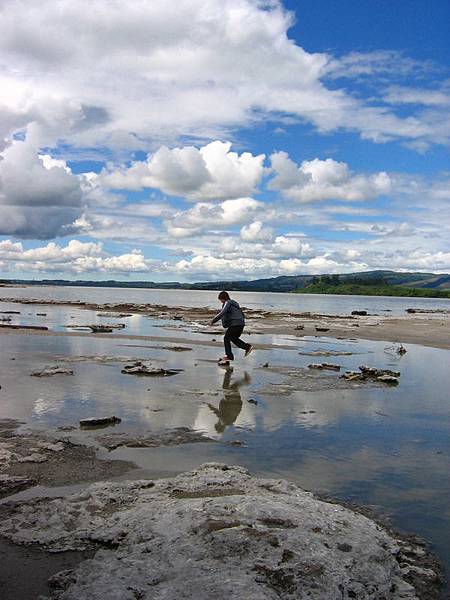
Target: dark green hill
379, 282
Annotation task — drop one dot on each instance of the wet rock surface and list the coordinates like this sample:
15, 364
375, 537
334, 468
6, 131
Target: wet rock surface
153, 439
326, 353
31, 459
142, 369
325, 366
217, 532
304, 379
366, 373
52, 370
97, 422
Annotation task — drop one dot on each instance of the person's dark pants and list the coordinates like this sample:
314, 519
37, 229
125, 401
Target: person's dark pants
233, 334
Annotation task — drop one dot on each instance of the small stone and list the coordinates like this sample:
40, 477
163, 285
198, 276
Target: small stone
388, 379
34, 458
325, 366
95, 422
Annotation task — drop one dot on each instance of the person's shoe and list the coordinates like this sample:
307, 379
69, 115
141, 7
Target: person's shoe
224, 360
249, 349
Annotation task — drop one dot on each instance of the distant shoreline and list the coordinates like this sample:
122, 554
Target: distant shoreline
365, 283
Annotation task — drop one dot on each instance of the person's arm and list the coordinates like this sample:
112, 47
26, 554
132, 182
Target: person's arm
225, 308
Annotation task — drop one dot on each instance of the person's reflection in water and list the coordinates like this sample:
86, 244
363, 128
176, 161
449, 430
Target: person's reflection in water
231, 404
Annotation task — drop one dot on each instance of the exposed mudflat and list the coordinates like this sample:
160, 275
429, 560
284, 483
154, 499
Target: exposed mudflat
33, 459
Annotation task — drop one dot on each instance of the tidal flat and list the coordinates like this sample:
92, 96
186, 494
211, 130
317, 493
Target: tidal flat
361, 443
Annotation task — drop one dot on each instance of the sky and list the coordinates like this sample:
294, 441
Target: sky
223, 139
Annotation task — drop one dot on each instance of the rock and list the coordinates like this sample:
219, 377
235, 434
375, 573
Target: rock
50, 371
56, 447
325, 366
34, 458
35, 327
10, 484
153, 439
359, 313
96, 422
326, 353
388, 379
176, 348
444, 311
252, 401
106, 328
401, 350
5, 319
322, 328
111, 315
371, 373
353, 376
299, 327
139, 368
216, 532
236, 443
265, 365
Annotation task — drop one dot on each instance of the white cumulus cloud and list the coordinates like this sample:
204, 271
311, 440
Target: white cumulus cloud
256, 232
327, 179
74, 258
208, 173
207, 215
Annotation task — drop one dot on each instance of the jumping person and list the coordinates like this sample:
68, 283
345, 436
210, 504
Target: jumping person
233, 321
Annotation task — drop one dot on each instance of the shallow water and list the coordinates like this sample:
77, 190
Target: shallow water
379, 446
318, 303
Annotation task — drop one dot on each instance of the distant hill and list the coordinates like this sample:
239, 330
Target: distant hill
379, 282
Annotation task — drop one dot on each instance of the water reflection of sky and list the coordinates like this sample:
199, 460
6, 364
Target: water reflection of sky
387, 447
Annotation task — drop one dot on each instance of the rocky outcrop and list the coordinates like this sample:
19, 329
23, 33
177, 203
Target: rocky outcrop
50, 371
140, 368
372, 374
217, 532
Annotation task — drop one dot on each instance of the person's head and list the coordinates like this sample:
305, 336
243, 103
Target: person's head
223, 297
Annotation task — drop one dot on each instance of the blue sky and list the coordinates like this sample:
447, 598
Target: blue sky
228, 139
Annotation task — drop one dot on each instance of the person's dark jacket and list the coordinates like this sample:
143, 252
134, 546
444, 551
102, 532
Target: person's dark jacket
231, 314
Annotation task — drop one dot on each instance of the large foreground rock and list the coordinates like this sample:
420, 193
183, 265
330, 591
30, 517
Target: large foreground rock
216, 533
